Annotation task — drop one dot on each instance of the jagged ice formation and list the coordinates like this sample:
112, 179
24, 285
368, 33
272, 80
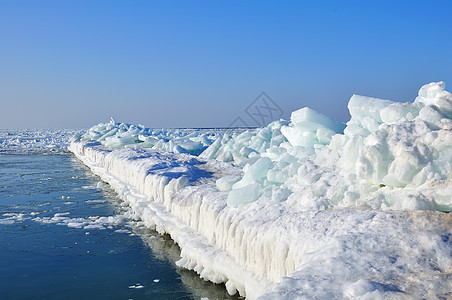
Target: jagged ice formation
310, 208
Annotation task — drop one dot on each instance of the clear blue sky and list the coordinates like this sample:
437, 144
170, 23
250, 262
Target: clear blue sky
73, 64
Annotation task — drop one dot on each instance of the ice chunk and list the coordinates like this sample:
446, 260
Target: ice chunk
435, 94
298, 138
324, 135
307, 119
309, 128
256, 173
354, 130
396, 111
192, 147
429, 92
225, 183
402, 169
212, 150
432, 116
370, 123
244, 194
362, 106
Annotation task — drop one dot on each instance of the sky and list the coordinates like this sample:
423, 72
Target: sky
74, 64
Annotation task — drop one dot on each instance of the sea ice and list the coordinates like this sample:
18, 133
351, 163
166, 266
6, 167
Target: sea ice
306, 208
308, 120
35, 140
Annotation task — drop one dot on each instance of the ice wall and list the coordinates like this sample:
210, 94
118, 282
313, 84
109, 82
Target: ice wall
176, 194
273, 249
310, 208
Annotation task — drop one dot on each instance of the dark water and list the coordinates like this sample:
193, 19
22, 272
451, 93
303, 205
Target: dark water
64, 235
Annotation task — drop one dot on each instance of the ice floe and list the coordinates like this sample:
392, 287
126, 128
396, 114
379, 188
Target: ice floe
92, 222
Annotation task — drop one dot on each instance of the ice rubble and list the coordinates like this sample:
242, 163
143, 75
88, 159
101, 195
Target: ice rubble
301, 211
391, 155
117, 135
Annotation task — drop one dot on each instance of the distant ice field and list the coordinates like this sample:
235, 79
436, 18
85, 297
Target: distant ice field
35, 141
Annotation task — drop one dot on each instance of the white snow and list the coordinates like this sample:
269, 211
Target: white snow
306, 208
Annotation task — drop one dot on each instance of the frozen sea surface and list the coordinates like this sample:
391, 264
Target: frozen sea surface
43, 141
65, 235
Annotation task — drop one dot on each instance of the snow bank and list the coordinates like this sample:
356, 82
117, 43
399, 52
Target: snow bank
310, 208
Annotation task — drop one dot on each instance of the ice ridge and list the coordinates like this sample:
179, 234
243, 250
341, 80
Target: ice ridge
306, 208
